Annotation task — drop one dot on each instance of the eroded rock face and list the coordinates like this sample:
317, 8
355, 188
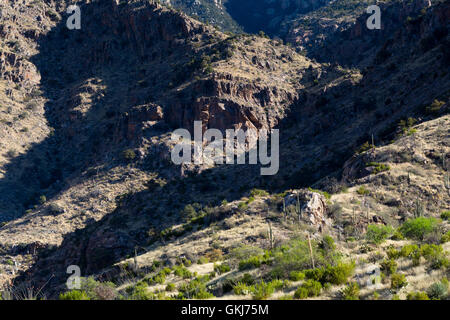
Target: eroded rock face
313, 207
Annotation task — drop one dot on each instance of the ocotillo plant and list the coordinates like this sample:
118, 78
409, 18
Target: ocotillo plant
311, 252
271, 236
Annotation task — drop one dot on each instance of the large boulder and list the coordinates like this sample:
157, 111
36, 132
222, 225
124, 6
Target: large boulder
313, 207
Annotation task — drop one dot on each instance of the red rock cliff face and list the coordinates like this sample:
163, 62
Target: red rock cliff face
226, 102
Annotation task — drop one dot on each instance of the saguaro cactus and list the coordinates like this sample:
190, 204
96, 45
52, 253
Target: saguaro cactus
447, 182
419, 209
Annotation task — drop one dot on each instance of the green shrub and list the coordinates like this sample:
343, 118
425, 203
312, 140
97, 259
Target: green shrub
295, 255
445, 237
195, 289
338, 274
128, 155
310, 288
159, 278
258, 193
324, 193
93, 290
378, 233
202, 260
242, 206
419, 227
435, 255
435, 107
397, 235
417, 296
409, 250
398, 281
263, 290
170, 287
74, 295
378, 167
437, 291
363, 191
250, 263
393, 253
242, 289
350, 292
314, 274
327, 244
445, 215
222, 268
389, 266
182, 272
301, 293
296, 275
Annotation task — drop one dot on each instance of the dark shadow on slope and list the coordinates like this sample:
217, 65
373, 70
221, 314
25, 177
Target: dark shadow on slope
91, 78
267, 16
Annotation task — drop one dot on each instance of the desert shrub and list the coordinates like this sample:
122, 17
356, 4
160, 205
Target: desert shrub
258, 193
363, 191
195, 289
247, 279
435, 255
338, 274
170, 287
378, 167
398, 281
295, 256
437, 291
222, 268
327, 244
242, 289
378, 233
419, 227
445, 215
417, 296
324, 193
214, 255
139, 292
393, 253
445, 237
242, 206
296, 275
42, 199
435, 107
244, 252
74, 295
159, 278
301, 293
389, 266
128, 155
309, 288
350, 292
397, 235
182, 272
409, 250
314, 274
263, 290
93, 290
202, 260
252, 262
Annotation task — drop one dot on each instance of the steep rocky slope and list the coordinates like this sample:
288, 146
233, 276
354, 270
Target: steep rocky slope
95, 184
